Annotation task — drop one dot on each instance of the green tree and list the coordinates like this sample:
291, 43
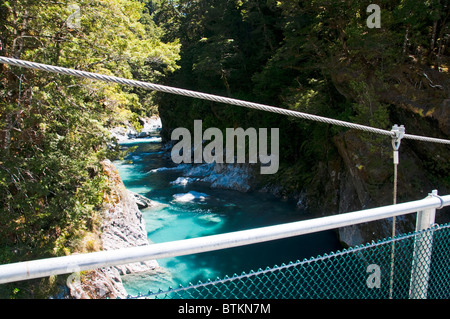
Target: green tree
316, 56
53, 128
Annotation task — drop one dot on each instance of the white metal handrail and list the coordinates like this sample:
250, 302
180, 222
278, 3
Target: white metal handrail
74, 263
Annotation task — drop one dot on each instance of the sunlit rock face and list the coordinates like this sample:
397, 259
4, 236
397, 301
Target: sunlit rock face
122, 226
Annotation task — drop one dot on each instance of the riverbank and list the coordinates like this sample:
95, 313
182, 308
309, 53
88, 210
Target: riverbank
200, 199
127, 132
122, 226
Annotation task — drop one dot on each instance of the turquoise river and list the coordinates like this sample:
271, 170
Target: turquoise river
191, 208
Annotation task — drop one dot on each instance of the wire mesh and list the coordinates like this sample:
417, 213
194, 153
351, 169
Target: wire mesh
363, 272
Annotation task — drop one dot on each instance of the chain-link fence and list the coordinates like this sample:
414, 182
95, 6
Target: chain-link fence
420, 267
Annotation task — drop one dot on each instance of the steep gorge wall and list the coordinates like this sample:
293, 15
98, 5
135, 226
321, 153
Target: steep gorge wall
358, 172
122, 226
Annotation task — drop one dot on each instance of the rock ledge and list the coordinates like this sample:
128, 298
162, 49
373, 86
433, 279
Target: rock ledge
122, 226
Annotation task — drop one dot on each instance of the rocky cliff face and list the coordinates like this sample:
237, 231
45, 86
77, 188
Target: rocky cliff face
122, 226
363, 169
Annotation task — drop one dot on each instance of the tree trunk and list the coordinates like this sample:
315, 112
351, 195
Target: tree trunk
433, 36
405, 42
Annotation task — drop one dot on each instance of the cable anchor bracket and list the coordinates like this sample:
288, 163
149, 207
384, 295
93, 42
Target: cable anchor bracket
399, 133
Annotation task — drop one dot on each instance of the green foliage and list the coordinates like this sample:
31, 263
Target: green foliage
53, 128
369, 110
315, 56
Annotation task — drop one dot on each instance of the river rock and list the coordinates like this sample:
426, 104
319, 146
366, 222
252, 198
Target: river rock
127, 131
142, 201
219, 175
122, 226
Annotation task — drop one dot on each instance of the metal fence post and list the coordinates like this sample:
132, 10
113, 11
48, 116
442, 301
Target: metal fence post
423, 245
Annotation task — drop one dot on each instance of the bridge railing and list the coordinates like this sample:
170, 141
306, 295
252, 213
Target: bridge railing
424, 208
361, 272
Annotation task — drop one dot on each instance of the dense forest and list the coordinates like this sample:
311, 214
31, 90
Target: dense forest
314, 56
53, 128
321, 57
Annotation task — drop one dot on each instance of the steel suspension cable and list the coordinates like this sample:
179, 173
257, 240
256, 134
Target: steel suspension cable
209, 97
